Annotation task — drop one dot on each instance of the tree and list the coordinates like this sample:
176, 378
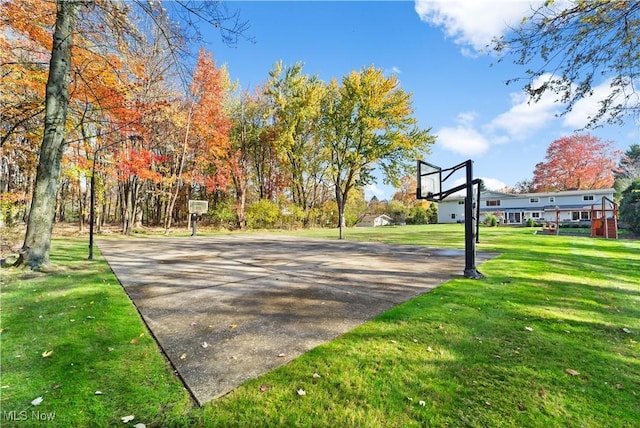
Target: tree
296, 104
209, 139
575, 163
628, 168
35, 250
367, 123
407, 191
630, 206
579, 43
524, 186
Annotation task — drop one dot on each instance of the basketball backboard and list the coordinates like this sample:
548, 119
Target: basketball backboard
198, 207
429, 181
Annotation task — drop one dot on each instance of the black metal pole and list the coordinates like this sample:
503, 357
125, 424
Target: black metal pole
478, 210
470, 270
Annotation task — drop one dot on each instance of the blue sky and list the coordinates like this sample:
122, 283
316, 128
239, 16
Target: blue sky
433, 48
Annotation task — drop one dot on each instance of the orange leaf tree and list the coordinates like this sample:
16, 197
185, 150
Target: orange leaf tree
209, 142
576, 163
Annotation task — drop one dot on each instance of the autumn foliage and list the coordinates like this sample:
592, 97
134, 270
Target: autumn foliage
576, 163
141, 129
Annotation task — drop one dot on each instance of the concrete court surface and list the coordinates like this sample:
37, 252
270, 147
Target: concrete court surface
226, 309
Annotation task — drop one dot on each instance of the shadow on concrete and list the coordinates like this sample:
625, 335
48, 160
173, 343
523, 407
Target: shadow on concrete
226, 309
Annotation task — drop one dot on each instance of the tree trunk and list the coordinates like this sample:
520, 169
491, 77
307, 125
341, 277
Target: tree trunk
340, 200
169, 215
37, 241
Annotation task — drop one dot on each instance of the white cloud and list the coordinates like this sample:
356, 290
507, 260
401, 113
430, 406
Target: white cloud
463, 140
371, 190
525, 117
472, 23
466, 118
489, 183
587, 108
394, 70
493, 183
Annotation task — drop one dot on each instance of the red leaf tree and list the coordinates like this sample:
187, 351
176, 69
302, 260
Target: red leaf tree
576, 163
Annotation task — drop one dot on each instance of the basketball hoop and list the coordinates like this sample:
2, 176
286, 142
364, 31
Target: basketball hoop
429, 182
196, 209
430, 188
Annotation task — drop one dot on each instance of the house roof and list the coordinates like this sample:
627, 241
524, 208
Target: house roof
490, 193
368, 218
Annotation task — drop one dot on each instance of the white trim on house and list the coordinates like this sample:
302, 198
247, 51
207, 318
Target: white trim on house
570, 206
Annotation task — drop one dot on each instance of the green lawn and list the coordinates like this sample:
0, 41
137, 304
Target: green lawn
549, 338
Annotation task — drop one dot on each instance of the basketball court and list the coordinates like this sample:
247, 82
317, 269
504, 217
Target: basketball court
228, 308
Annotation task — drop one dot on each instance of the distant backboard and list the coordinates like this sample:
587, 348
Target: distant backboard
198, 207
429, 181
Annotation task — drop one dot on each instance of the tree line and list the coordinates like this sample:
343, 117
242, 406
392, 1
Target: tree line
103, 93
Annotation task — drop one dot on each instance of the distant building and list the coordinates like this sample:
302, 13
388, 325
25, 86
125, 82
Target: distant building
373, 220
569, 206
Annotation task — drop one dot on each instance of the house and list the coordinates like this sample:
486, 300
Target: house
373, 220
567, 206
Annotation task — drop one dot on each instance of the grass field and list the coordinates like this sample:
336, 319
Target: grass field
549, 338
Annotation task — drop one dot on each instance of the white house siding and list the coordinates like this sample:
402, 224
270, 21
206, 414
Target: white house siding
572, 206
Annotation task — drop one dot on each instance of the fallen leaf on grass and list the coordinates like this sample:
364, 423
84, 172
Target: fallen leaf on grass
46, 354
543, 394
302, 392
139, 426
37, 401
316, 376
126, 419
619, 386
626, 330
429, 349
528, 328
98, 393
422, 403
133, 341
572, 372
264, 387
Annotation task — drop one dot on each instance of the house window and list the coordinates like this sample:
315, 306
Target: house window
493, 203
535, 215
584, 215
575, 215
587, 198
453, 216
534, 200
552, 199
